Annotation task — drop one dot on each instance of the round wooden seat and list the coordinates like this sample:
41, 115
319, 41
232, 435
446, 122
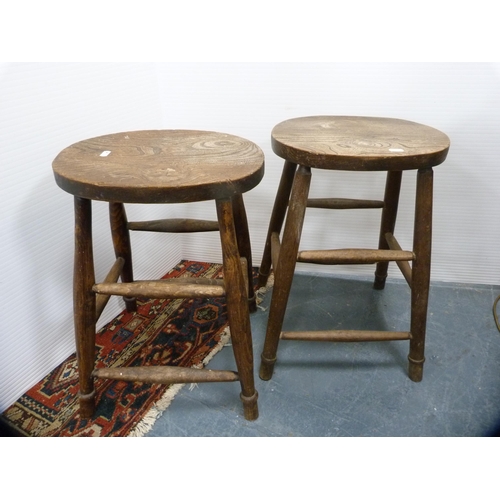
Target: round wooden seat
162, 166
159, 166
359, 143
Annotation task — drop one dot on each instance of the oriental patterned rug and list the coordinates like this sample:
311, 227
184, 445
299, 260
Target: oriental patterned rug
176, 332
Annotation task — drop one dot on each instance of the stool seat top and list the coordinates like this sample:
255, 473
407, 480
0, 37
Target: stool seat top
159, 166
359, 143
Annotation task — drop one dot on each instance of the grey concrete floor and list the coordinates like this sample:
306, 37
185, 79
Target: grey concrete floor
360, 389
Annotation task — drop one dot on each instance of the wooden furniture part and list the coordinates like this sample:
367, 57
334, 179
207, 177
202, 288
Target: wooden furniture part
357, 144
162, 166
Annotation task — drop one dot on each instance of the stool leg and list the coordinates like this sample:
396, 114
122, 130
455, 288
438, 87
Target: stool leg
121, 243
283, 274
244, 246
277, 218
388, 222
237, 308
422, 243
84, 305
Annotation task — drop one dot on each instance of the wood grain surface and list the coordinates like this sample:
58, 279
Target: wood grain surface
159, 166
359, 143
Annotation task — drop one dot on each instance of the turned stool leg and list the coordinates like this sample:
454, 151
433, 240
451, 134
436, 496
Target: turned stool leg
283, 274
388, 222
84, 305
244, 246
422, 242
237, 308
277, 218
121, 243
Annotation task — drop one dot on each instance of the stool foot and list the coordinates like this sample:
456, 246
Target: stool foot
130, 304
416, 369
87, 404
266, 368
379, 283
250, 408
252, 304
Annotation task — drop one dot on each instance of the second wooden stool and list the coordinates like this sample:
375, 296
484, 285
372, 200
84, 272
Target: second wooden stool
355, 144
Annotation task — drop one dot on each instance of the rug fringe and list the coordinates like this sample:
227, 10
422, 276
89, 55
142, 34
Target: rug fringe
155, 412
261, 292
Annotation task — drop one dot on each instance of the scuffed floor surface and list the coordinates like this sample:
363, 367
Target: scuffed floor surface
360, 389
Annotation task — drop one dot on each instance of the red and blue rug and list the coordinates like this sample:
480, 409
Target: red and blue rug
175, 332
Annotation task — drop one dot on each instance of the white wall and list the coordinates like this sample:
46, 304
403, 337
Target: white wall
460, 99
46, 107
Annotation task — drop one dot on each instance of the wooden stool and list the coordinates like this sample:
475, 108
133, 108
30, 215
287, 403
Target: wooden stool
358, 144
162, 166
